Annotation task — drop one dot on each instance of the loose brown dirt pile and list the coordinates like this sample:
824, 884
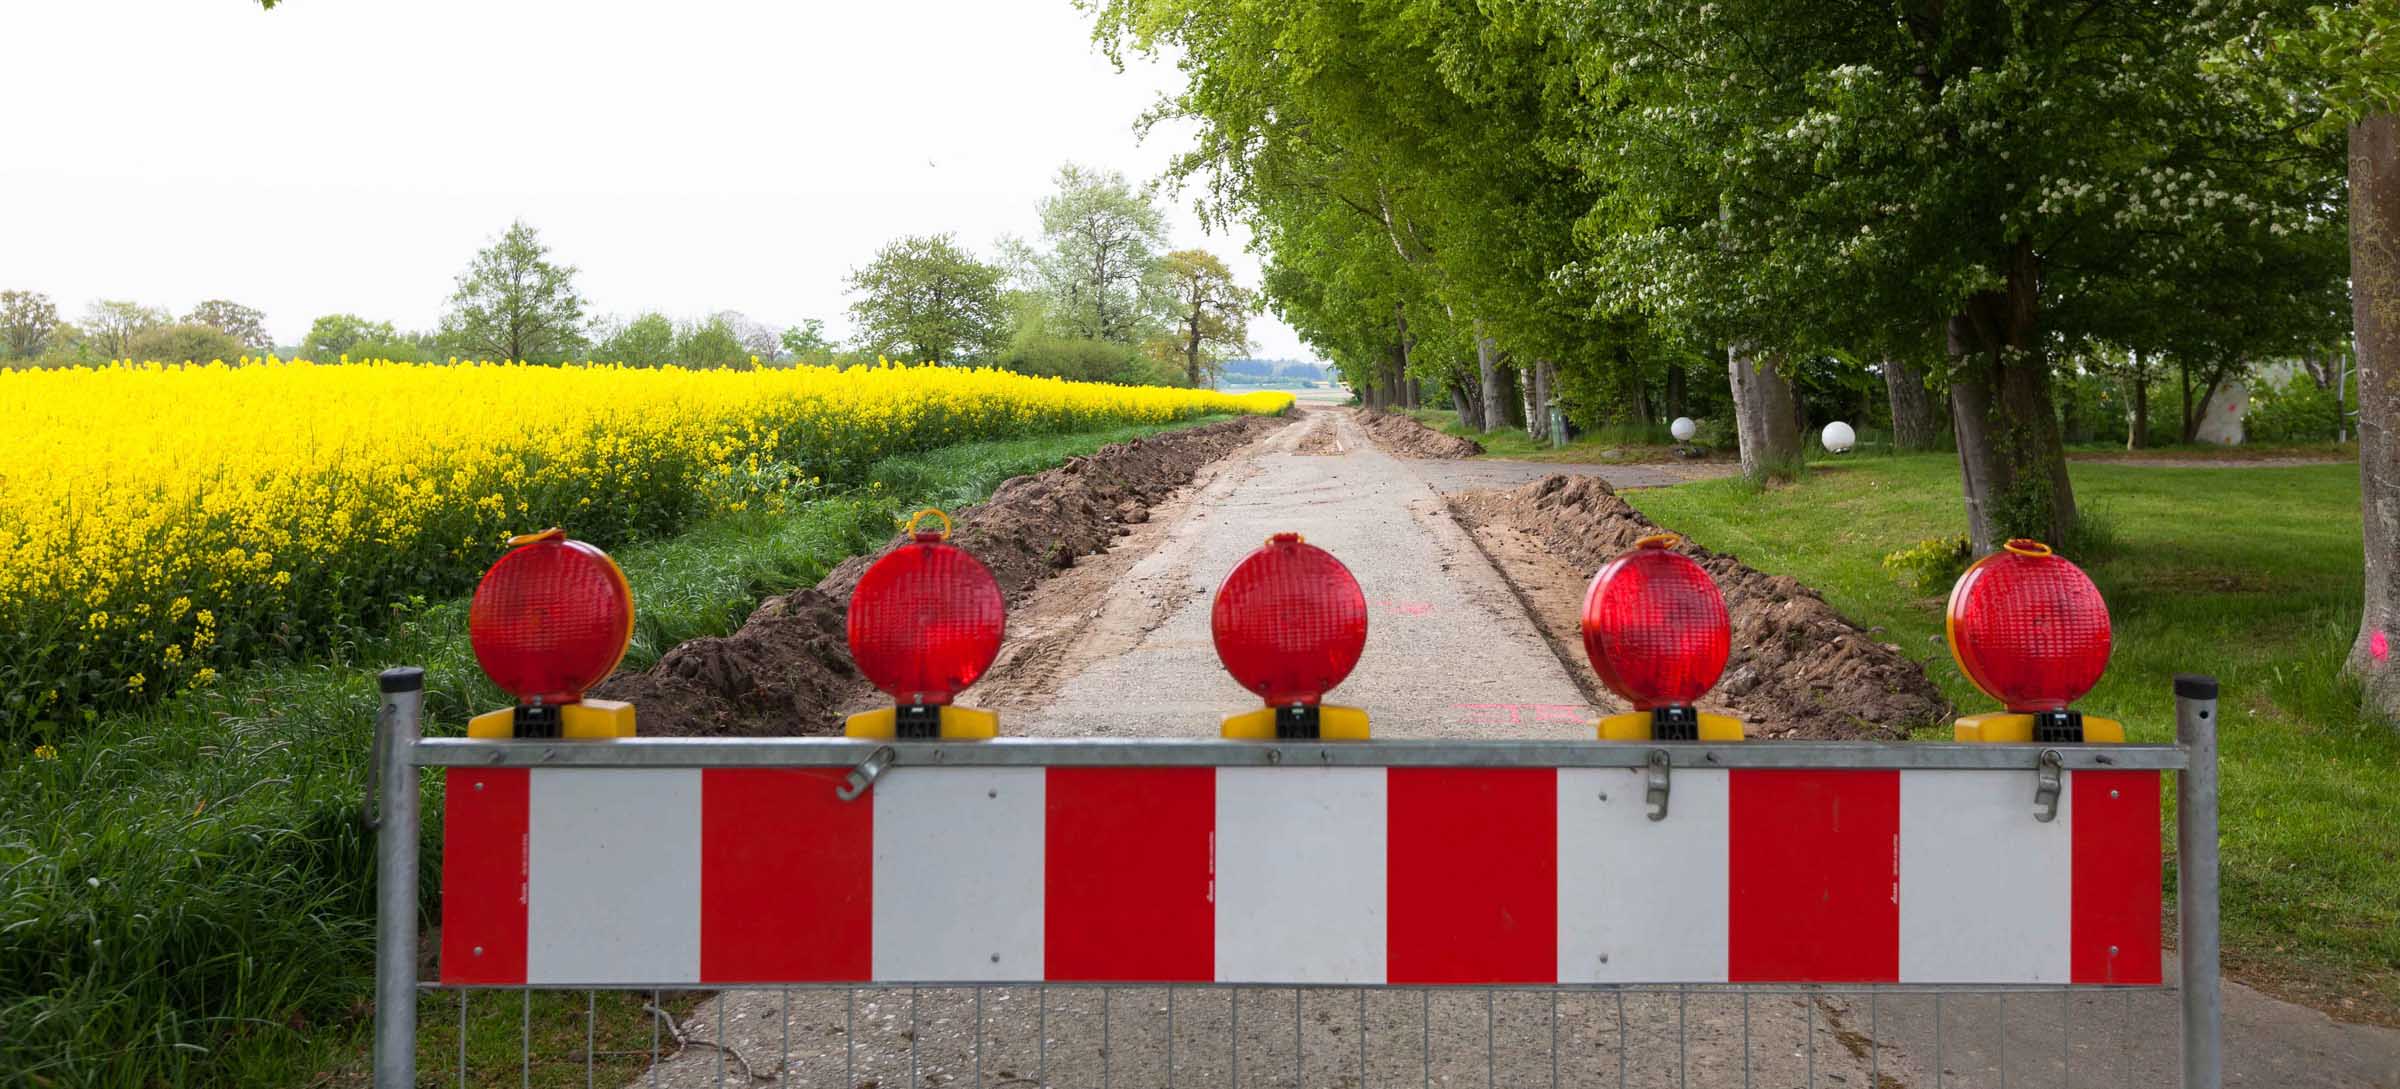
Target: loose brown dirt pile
1404, 437
787, 671
1798, 669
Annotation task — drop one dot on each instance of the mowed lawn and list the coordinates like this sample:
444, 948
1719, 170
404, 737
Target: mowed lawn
2250, 574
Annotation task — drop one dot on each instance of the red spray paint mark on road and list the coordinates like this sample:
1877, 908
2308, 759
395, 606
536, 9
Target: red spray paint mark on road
1404, 608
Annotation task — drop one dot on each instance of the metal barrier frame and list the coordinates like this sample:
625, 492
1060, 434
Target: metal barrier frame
400, 755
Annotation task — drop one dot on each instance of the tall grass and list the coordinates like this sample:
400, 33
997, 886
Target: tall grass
185, 889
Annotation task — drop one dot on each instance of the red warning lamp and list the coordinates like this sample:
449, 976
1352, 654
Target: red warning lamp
2028, 628
1289, 623
1656, 630
552, 618
925, 621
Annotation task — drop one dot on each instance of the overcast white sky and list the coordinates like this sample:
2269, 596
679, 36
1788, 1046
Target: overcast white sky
688, 156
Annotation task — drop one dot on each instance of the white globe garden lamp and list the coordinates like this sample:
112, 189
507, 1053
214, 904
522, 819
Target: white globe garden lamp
1838, 437
1683, 429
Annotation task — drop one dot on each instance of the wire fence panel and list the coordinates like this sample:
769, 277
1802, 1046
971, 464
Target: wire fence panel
1338, 1037
1058, 913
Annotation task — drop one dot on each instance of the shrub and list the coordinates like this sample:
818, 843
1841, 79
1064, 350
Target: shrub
2299, 410
1930, 566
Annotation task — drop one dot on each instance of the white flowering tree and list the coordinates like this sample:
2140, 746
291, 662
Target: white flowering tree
2330, 72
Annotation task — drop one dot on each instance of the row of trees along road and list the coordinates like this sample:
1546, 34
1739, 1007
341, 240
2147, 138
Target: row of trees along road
1514, 203
1098, 296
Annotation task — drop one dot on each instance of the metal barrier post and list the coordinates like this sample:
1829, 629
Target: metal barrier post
393, 783
2196, 881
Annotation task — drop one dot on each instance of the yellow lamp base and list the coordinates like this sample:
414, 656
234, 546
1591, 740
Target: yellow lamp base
958, 724
2010, 728
1334, 723
1635, 726
583, 720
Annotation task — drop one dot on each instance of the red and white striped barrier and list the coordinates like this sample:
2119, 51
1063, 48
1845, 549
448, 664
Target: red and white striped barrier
1343, 875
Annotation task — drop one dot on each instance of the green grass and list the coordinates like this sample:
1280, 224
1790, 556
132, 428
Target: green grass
2250, 574
186, 890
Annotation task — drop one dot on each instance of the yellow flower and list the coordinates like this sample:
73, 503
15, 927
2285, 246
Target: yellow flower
136, 491
45, 752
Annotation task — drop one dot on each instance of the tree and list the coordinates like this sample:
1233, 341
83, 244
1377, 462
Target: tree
807, 344
184, 342
924, 298
1822, 174
648, 340
27, 319
1104, 240
513, 303
712, 342
245, 325
1212, 313
755, 337
2334, 69
333, 335
110, 325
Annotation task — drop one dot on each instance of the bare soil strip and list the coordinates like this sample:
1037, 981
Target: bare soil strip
1404, 437
1798, 669
787, 671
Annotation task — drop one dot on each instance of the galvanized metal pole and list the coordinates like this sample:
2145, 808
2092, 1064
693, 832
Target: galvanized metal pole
2196, 881
396, 731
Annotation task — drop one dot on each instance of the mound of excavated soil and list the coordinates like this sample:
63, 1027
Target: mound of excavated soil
1403, 436
787, 671
1798, 669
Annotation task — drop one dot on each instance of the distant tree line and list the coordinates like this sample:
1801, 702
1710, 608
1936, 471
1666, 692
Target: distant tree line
1098, 297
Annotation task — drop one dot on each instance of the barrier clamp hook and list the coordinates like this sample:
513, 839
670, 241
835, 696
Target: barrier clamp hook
863, 776
1657, 793
2048, 773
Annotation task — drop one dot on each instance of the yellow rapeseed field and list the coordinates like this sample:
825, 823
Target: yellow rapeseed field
160, 521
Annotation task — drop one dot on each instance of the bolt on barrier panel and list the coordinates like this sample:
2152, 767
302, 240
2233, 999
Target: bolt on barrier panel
1299, 912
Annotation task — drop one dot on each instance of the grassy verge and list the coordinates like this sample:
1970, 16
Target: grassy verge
2251, 574
186, 891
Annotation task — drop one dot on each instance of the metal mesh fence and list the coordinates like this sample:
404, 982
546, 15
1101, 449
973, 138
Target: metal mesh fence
1137, 1037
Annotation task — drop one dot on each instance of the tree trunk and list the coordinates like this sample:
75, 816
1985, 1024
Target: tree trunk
2010, 459
1191, 353
1764, 418
1488, 368
1512, 397
1676, 398
1469, 404
1407, 385
1912, 407
2375, 312
2137, 436
1545, 376
2189, 424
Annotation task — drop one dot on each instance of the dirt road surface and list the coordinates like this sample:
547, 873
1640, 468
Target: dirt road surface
1119, 647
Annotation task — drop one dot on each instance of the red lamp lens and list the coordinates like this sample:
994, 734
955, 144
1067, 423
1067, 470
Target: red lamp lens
926, 621
2029, 628
1655, 628
550, 619
1289, 621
